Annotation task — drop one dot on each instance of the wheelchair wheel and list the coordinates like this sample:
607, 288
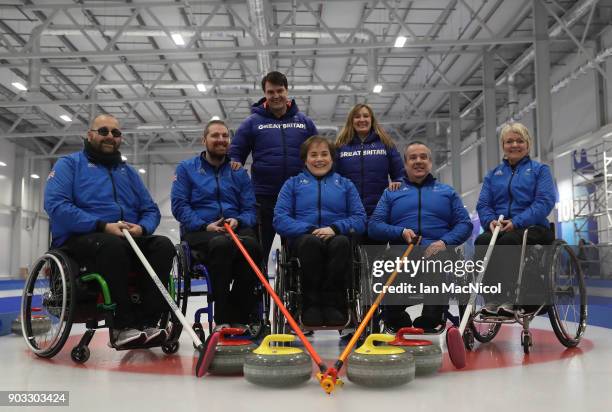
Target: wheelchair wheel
568, 301
364, 299
180, 270
49, 291
176, 286
278, 319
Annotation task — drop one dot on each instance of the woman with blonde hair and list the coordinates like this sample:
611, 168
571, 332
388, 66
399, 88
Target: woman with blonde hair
368, 156
524, 192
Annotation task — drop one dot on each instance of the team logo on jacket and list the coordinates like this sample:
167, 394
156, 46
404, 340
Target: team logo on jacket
499, 172
304, 181
51, 174
528, 171
91, 164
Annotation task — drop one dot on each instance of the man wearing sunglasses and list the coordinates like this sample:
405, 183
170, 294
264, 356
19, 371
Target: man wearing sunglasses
90, 197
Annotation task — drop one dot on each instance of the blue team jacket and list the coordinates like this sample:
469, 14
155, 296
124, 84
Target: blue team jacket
433, 210
79, 193
274, 144
526, 194
201, 194
369, 164
306, 203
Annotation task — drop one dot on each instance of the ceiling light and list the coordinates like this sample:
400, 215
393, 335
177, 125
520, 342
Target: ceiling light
142, 171
201, 87
215, 118
65, 118
34, 176
124, 158
377, 88
178, 39
2, 164
19, 86
400, 41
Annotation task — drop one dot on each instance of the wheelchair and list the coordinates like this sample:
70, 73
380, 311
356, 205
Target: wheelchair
288, 286
557, 268
66, 292
195, 281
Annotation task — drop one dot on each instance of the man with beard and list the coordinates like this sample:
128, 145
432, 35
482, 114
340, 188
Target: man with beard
272, 134
422, 207
206, 193
90, 197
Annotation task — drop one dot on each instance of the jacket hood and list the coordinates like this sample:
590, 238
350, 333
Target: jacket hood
260, 109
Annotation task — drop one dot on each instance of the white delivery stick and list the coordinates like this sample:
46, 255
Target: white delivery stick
162, 289
470, 305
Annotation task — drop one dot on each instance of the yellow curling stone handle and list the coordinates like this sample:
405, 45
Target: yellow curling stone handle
266, 349
368, 347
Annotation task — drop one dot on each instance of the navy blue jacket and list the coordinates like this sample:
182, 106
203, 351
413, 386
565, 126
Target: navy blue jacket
306, 203
202, 194
80, 193
526, 194
433, 210
369, 164
274, 143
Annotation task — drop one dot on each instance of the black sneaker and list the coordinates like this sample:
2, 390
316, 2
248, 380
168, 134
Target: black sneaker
490, 309
332, 316
428, 324
155, 335
312, 316
506, 309
396, 321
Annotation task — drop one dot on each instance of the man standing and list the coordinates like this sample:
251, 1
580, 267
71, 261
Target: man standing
205, 194
273, 134
420, 207
90, 197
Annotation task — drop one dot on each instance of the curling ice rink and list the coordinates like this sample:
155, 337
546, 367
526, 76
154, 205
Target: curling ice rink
499, 377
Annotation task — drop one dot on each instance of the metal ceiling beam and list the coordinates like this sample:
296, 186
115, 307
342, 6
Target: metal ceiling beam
416, 44
170, 99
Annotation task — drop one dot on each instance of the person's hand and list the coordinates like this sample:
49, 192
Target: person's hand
216, 226
235, 165
409, 235
393, 186
434, 248
507, 226
492, 225
116, 228
324, 233
233, 223
134, 229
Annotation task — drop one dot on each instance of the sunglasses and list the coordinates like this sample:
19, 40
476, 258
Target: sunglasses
103, 131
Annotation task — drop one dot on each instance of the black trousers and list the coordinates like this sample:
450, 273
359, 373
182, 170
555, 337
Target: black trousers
326, 265
505, 261
431, 304
233, 280
266, 214
113, 257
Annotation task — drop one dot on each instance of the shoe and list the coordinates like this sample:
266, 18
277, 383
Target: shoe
220, 326
490, 309
122, 337
332, 316
428, 324
240, 326
506, 309
346, 334
155, 335
312, 316
394, 321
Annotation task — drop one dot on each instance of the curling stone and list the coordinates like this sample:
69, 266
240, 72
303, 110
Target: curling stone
277, 366
41, 324
380, 366
427, 356
229, 353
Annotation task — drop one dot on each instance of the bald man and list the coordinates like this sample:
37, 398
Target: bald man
90, 197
